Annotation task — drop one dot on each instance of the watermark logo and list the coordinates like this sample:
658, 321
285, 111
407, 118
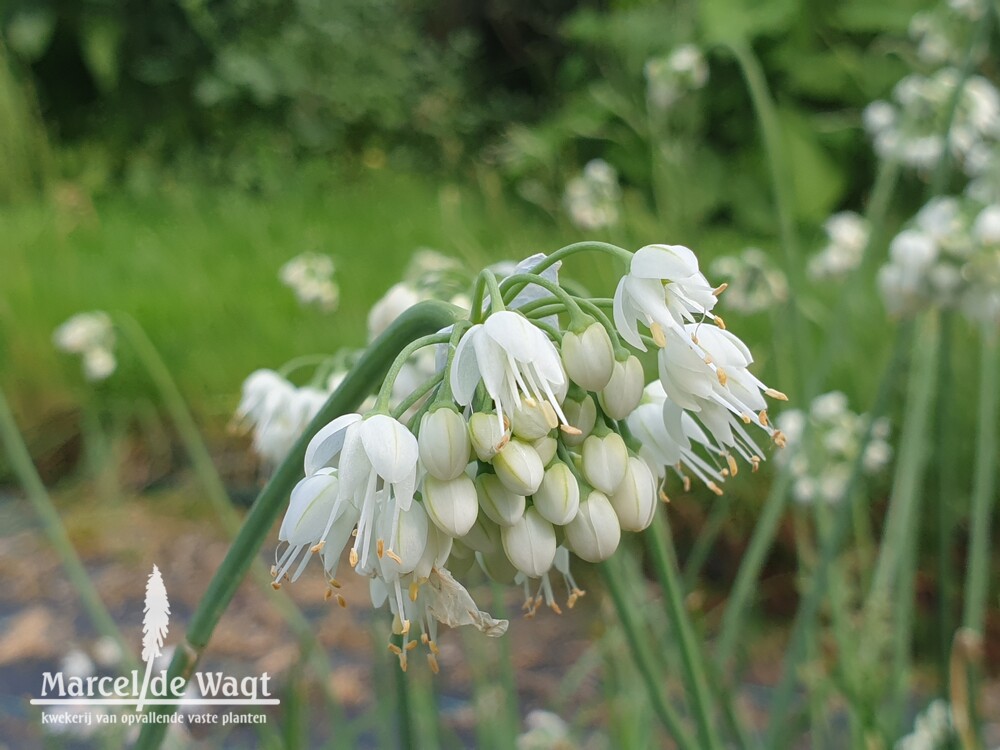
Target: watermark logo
153, 687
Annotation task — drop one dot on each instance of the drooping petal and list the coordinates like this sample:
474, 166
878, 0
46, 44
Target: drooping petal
626, 319
449, 602
667, 262
309, 508
327, 443
514, 333
391, 447
465, 367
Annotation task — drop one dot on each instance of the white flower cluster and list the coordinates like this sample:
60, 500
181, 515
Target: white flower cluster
669, 77
943, 33
820, 458
92, 336
592, 198
932, 730
753, 284
910, 128
846, 239
538, 440
311, 277
949, 256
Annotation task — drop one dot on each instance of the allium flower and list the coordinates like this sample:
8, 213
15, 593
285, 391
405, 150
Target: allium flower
663, 290
592, 198
511, 357
276, 412
92, 336
823, 445
668, 78
933, 728
847, 236
310, 276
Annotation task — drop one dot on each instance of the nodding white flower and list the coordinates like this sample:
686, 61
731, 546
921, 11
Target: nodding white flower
624, 391
500, 504
557, 498
582, 416
376, 459
444, 443
604, 461
589, 357
668, 436
519, 467
705, 370
452, 504
635, 499
277, 412
662, 290
530, 543
511, 357
847, 236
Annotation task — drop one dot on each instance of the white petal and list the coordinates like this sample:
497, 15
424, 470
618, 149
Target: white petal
327, 443
514, 333
309, 508
664, 262
391, 447
465, 367
625, 318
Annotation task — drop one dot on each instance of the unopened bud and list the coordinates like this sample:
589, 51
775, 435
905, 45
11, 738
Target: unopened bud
594, 534
589, 357
624, 391
582, 415
444, 443
533, 420
519, 467
486, 435
558, 496
452, 505
499, 504
635, 499
604, 461
530, 543
546, 448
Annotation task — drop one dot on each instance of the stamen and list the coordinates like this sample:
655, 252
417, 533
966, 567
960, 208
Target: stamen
715, 488
318, 546
327, 595
762, 415
394, 557
721, 374
395, 649
550, 415
570, 429
755, 462
335, 583
275, 585
353, 558
411, 645
380, 548
663, 497
733, 468
432, 662
721, 288
779, 438
775, 394
341, 601
720, 322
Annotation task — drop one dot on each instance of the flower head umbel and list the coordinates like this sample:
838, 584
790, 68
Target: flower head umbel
310, 276
592, 198
525, 439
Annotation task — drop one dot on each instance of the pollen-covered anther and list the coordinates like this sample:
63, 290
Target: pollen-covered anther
573, 596
335, 583
504, 440
708, 359
659, 337
570, 429
274, 571
411, 645
551, 419
720, 322
433, 647
755, 463
275, 585
327, 595
762, 415
664, 498
380, 548
394, 557
715, 488
318, 546
721, 375
733, 468
779, 438
720, 288
393, 648
341, 601
432, 662
747, 419
555, 608
775, 394
405, 630
724, 472
353, 558
414, 591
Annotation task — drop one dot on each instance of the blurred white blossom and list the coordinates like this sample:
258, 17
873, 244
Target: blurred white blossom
846, 238
824, 442
544, 730
92, 336
754, 284
311, 277
669, 77
592, 198
932, 729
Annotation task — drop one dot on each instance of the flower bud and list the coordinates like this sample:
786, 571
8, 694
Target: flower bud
589, 357
558, 496
594, 534
436, 553
583, 416
497, 566
546, 449
532, 421
604, 461
635, 499
484, 536
444, 443
407, 541
530, 543
624, 391
452, 505
486, 436
519, 468
498, 503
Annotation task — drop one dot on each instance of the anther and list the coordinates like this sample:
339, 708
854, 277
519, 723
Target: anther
380, 548
721, 288
341, 601
318, 546
432, 662
659, 337
395, 649
762, 415
570, 429
353, 558
720, 322
411, 645
733, 468
776, 394
335, 583
414, 591
327, 595
275, 585
715, 488
394, 557
721, 374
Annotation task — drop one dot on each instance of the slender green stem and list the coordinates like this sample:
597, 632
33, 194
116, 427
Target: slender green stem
692, 659
577, 317
806, 616
27, 475
305, 360
419, 320
385, 392
418, 393
513, 287
642, 655
745, 585
947, 440
486, 281
977, 581
403, 707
